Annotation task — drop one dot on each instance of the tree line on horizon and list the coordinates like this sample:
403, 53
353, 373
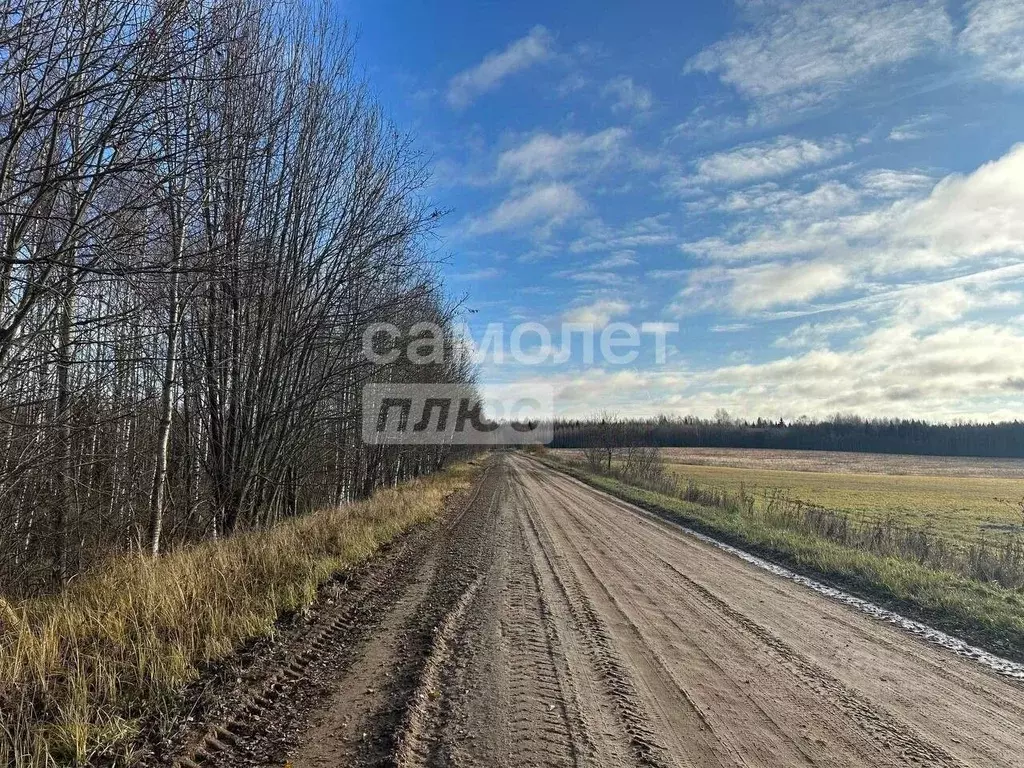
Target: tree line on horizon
839, 433
202, 209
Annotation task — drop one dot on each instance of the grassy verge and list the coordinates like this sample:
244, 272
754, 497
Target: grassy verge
983, 613
78, 671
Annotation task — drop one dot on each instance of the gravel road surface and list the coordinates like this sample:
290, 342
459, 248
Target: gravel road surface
551, 624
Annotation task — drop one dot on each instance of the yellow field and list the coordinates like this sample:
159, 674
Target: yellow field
961, 502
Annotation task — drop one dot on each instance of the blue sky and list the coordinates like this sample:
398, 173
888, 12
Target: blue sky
827, 197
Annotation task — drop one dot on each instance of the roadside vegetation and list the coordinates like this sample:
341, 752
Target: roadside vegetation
974, 589
966, 509
80, 670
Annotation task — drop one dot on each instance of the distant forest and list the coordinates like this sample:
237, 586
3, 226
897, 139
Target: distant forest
840, 433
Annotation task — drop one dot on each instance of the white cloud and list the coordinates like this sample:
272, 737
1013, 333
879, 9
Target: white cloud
995, 34
771, 199
797, 54
810, 335
902, 133
910, 130
585, 392
761, 160
771, 241
760, 286
616, 260
571, 83
485, 273
547, 155
947, 301
891, 370
540, 205
593, 276
757, 198
648, 232
667, 274
597, 314
602, 271
521, 54
963, 217
914, 352
888, 183
932, 302
703, 123
970, 371
627, 95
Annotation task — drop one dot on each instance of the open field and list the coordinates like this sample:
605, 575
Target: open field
848, 462
961, 498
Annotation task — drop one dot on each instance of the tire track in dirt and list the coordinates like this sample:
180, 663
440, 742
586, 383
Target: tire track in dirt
564, 698
522, 651
553, 625
656, 571
630, 715
676, 716
422, 689
543, 721
786, 669
418, 737
252, 718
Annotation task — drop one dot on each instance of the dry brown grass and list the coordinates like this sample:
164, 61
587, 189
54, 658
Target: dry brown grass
79, 670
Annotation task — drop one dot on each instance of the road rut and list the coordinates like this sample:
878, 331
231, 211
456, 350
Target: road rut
556, 625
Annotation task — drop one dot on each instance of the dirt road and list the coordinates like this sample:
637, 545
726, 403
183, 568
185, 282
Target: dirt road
551, 624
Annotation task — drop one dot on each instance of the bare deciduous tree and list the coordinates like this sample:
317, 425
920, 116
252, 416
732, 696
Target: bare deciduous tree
201, 212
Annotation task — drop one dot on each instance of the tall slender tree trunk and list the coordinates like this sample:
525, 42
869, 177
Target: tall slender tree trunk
156, 499
64, 479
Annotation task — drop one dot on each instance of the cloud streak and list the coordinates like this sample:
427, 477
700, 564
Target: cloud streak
547, 155
520, 55
962, 217
627, 96
761, 160
539, 205
975, 218
972, 371
796, 55
994, 34
597, 314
